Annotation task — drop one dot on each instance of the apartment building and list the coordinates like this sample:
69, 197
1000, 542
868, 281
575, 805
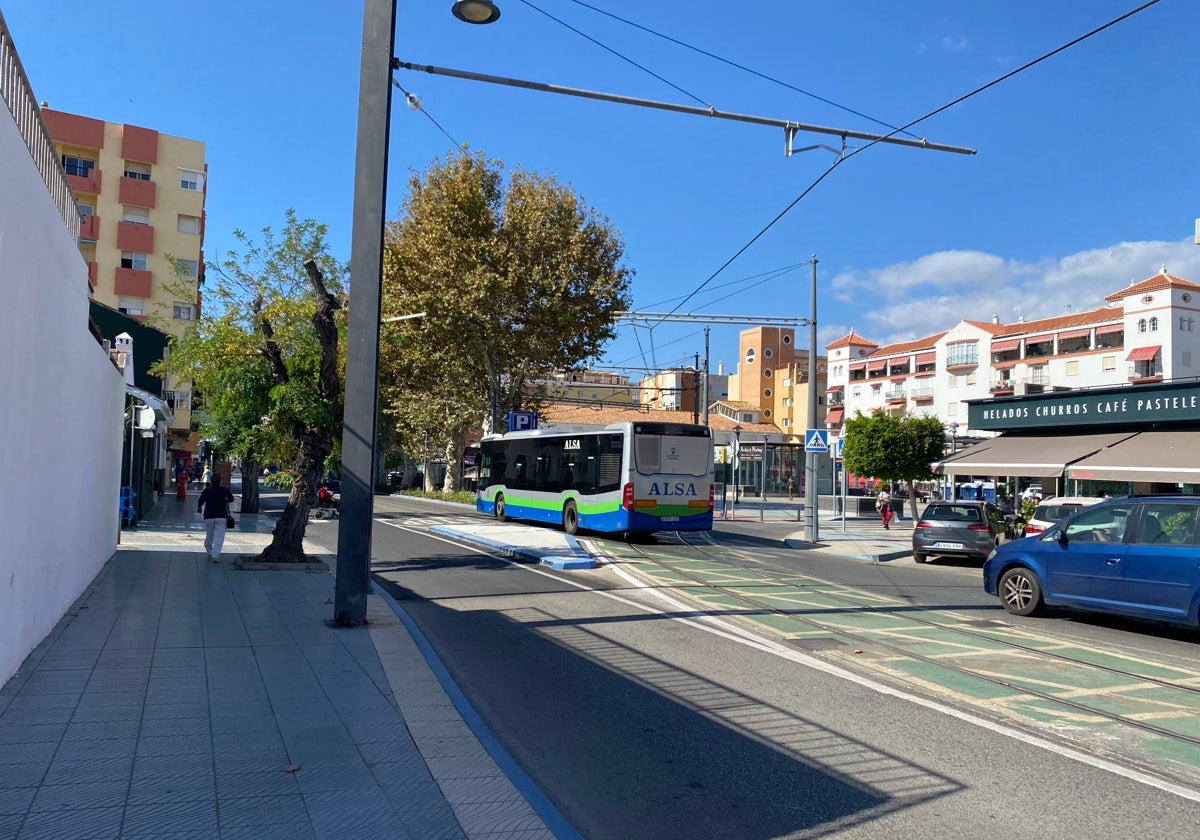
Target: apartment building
141, 197
1145, 333
772, 376
589, 386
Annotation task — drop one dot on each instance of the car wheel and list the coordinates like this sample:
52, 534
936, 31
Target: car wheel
1020, 591
500, 514
919, 557
570, 519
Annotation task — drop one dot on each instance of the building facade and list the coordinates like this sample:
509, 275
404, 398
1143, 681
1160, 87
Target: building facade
140, 195
1145, 333
772, 376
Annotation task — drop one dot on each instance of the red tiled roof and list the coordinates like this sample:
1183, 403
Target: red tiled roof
1162, 280
850, 340
899, 347
1090, 318
987, 326
586, 415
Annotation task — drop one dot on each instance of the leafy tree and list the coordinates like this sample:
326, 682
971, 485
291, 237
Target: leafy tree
518, 277
265, 355
894, 448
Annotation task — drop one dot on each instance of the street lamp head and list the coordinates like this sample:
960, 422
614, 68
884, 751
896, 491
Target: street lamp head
953, 427
476, 11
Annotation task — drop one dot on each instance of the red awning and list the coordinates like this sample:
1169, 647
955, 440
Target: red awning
926, 358
834, 389
858, 366
1075, 333
1006, 345
834, 415
876, 364
1109, 329
1143, 354
1038, 339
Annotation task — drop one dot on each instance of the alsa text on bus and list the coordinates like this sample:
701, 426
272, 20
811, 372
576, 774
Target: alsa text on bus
679, 488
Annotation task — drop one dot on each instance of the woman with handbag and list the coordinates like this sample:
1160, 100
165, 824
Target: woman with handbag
214, 504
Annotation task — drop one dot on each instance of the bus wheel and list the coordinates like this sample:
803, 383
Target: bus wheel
570, 519
500, 515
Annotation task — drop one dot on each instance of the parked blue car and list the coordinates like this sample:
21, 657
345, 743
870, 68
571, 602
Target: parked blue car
1137, 556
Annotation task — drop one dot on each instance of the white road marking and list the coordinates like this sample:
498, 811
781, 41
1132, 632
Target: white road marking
718, 627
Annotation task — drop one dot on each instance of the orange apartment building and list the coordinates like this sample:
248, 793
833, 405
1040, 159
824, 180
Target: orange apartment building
772, 376
141, 205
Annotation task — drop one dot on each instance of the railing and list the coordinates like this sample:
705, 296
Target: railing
18, 96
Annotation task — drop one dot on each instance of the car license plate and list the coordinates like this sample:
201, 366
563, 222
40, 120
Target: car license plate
670, 519
948, 545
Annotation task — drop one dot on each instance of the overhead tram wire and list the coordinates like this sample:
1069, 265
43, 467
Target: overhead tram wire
415, 103
770, 274
625, 58
1027, 65
734, 64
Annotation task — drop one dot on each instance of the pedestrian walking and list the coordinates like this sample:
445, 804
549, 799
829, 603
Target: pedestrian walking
883, 504
181, 482
791, 488
206, 479
214, 504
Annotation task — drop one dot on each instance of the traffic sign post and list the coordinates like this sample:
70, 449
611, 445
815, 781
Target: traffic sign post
816, 440
522, 421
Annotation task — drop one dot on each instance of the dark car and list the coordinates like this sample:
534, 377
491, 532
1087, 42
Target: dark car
1137, 556
959, 528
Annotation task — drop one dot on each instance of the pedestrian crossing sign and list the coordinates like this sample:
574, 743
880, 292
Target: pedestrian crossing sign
816, 440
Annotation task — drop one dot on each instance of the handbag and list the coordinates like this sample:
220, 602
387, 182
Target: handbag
230, 522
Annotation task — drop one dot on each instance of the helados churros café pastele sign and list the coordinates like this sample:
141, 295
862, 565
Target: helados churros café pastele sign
1119, 406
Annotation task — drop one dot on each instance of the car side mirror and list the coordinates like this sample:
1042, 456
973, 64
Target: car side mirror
1059, 536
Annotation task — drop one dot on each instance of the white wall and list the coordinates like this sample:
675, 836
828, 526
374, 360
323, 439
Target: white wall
61, 404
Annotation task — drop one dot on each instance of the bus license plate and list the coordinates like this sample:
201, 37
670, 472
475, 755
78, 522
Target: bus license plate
948, 545
670, 519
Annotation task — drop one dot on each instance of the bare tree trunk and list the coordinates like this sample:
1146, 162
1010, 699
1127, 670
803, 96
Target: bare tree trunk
250, 472
454, 453
314, 442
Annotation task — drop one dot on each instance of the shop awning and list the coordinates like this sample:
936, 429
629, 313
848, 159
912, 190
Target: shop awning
1075, 333
1171, 457
1143, 354
926, 358
1110, 328
834, 415
161, 409
1037, 456
876, 364
1006, 345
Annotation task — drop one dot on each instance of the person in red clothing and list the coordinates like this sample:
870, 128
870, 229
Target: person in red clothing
181, 482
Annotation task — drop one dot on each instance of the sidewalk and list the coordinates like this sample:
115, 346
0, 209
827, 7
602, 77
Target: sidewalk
184, 699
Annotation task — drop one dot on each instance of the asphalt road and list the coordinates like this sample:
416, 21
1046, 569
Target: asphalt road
640, 724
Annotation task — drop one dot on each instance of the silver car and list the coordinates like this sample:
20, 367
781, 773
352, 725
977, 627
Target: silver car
958, 529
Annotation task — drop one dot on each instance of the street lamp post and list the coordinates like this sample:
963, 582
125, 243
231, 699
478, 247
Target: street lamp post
737, 464
953, 452
810, 494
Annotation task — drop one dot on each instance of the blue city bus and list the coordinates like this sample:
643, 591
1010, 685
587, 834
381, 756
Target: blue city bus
627, 478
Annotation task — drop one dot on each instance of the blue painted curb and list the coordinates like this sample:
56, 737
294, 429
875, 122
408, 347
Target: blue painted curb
525, 785
555, 561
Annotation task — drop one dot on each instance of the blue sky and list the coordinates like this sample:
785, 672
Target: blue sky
1086, 178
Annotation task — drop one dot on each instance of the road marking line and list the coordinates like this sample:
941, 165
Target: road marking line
718, 627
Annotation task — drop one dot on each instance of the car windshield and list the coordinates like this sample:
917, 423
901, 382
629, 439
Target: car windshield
953, 513
1053, 513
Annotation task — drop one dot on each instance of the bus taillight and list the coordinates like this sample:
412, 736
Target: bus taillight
627, 497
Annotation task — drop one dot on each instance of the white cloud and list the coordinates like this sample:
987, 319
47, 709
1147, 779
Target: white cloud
934, 292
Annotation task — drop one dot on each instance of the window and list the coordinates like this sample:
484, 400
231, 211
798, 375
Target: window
132, 305
190, 179
768, 352
85, 211
137, 215
787, 401
188, 268
131, 259
1072, 368
970, 379
78, 165
766, 392
750, 354
138, 171
952, 410
595, 395
952, 381
787, 421
1185, 359
179, 400
787, 339
1106, 524
962, 353
766, 412
1154, 325
787, 382
1141, 325
768, 373
1108, 362
189, 224
184, 312
875, 389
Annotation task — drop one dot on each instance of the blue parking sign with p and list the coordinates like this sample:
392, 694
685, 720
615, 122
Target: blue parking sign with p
522, 421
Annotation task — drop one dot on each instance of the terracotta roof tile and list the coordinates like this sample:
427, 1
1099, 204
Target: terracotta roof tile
1092, 317
850, 340
1162, 280
987, 326
586, 415
899, 347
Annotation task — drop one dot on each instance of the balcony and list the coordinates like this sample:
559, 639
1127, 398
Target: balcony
1002, 387
896, 396
89, 228
136, 192
131, 282
921, 394
962, 362
134, 236
89, 183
